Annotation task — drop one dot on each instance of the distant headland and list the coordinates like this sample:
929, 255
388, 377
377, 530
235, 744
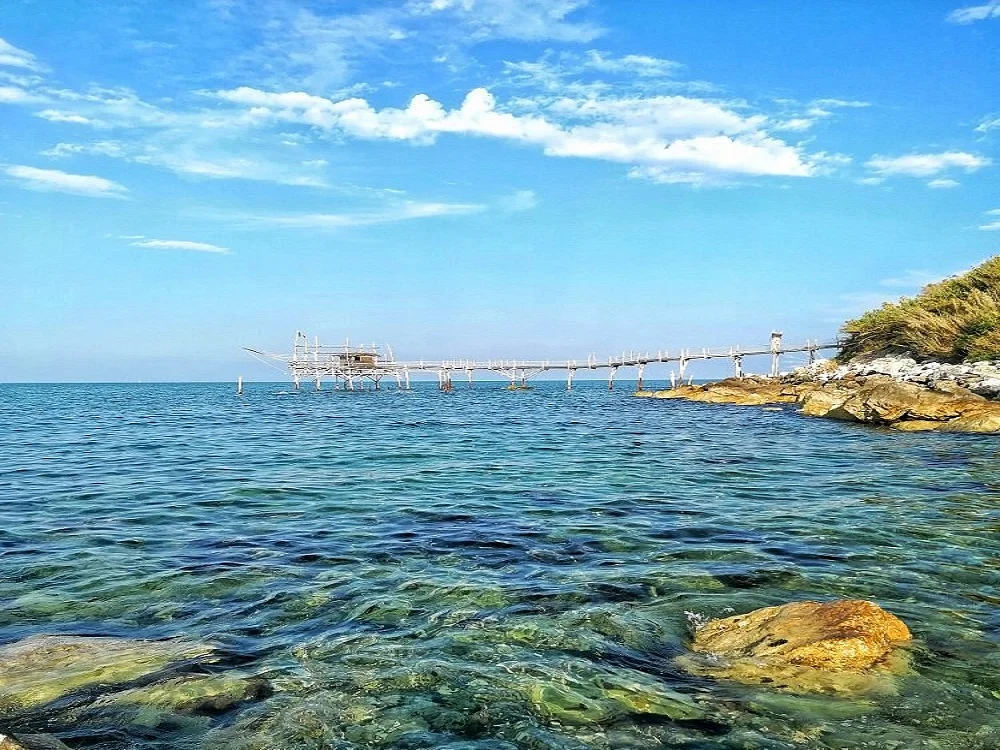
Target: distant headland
929, 362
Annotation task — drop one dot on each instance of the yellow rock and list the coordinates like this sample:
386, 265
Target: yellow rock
840, 646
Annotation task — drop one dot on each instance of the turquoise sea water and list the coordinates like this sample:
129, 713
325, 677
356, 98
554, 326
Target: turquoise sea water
490, 569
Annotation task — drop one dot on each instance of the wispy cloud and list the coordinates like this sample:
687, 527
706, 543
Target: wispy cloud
14, 57
973, 13
519, 200
53, 180
942, 183
199, 158
988, 124
396, 212
198, 247
640, 65
926, 165
992, 225
528, 20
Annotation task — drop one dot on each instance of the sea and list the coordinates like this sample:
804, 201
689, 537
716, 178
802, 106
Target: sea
487, 569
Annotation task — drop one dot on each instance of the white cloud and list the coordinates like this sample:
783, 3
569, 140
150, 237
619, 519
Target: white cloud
796, 116
200, 247
519, 200
395, 212
926, 165
639, 65
992, 226
942, 183
794, 124
974, 13
189, 156
663, 138
529, 20
53, 115
13, 57
15, 95
871, 180
53, 180
988, 124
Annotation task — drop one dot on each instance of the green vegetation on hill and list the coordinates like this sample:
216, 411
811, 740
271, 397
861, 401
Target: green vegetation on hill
953, 320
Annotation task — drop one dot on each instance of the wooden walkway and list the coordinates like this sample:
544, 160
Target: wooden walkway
354, 366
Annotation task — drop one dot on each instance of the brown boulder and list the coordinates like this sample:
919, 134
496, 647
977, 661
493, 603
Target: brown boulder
827, 402
904, 406
839, 646
737, 391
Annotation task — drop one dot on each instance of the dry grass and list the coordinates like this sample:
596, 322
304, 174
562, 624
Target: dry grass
953, 320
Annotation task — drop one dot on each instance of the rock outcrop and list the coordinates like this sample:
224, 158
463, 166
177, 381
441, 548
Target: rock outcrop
981, 378
742, 392
904, 406
875, 399
843, 646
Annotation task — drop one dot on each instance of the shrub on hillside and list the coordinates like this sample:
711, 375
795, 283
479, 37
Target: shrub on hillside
953, 320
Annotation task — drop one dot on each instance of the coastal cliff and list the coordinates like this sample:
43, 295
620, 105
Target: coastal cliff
927, 363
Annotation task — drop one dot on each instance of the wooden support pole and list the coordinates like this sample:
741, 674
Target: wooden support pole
775, 353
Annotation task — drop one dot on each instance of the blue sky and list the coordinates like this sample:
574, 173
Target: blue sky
478, 178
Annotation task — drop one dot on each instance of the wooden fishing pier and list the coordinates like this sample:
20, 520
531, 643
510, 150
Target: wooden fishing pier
352, 367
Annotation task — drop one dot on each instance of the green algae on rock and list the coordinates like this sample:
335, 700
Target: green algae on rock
190, 693
565, 704
31, 742
43, 668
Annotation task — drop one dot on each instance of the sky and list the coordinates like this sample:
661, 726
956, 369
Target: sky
478, 178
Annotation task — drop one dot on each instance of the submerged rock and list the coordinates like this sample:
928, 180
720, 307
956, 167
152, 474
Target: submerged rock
190, 693
31, 742
839, 646
567, 705
642, 697
41, 669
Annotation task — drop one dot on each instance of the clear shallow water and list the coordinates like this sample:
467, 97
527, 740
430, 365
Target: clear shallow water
484, 569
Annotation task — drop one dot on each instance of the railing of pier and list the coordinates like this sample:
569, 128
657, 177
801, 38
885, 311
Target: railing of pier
314, 362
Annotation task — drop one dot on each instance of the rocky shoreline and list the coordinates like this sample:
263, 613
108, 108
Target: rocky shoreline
895, 392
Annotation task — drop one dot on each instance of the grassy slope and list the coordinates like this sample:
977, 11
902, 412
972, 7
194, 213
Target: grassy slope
953, 320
